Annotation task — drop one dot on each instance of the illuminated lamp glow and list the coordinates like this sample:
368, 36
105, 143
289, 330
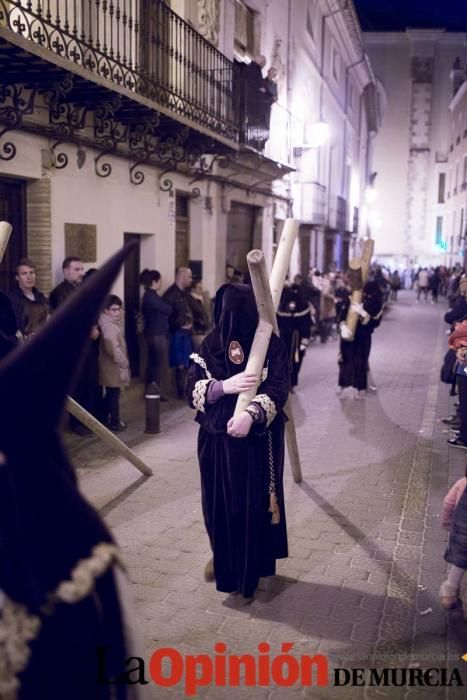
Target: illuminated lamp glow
317, 134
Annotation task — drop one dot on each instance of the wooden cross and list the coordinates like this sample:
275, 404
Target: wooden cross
267, 295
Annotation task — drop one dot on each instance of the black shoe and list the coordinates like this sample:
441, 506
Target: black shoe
457, 442
451, 420
163, 399
117, 427
81, 430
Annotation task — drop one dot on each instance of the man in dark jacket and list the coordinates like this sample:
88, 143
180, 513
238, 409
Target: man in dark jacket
29, 304
73, 274
181, 326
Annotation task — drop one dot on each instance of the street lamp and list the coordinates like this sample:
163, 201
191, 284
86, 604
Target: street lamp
317, 134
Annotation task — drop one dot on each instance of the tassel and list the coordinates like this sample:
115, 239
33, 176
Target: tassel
274, 509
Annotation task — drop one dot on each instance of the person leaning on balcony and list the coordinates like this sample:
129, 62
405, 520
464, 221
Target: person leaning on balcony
255, 93
270, 96
181, 326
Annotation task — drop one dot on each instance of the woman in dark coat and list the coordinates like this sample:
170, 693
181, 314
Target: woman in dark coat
354, 355
241, 459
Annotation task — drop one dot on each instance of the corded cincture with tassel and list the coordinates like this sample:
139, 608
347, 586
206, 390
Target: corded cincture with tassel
273, 504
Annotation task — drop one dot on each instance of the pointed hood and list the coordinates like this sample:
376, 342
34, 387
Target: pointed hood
46, 526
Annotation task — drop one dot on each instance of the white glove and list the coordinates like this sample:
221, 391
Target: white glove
304, 344
358, 308
345, 331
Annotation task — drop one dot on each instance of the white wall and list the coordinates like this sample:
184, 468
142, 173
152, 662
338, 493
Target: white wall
115, 207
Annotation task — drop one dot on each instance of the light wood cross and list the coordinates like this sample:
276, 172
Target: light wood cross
267, 295
359, 269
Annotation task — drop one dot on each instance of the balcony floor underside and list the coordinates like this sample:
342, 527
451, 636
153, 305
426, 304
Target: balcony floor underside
26, 64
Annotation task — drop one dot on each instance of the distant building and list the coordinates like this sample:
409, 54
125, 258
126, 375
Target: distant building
414, 147
451, 219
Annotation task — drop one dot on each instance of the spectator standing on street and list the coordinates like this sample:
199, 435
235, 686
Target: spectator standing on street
458, 343
229, 273
113, 361
181, 326
8, 326
29, 304
395, 283
433, 283
156, 314
454, 517
327, 312
73, 273
200, 313
422, 280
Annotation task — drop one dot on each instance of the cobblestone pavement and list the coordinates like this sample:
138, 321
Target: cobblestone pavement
366, 547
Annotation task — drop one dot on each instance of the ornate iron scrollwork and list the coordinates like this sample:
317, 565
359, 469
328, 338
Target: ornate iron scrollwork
60, 160
17, 103
143, 142
108, 132
166, 183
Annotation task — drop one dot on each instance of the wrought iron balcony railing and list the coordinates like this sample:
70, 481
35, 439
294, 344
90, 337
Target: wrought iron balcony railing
140, 45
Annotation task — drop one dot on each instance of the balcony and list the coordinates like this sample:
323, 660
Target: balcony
310, 203
139, 50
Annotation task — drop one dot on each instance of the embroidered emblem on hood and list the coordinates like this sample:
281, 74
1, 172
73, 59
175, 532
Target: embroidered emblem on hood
236, 354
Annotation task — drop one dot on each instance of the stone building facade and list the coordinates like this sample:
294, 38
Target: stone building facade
451, 214
412, 147
121, 121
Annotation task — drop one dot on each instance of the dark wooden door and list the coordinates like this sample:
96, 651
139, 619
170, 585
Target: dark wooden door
304, 242
131, 301
13, 210
182, 230
243, 233
328, 253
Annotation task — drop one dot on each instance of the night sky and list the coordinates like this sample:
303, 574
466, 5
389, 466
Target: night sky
399, 14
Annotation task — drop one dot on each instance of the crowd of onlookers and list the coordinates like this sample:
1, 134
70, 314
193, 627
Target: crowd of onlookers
172, 325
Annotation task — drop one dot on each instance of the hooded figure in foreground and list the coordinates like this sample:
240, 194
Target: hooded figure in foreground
241, 459
59, 566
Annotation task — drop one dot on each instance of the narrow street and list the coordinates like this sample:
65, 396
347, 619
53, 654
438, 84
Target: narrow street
366, 546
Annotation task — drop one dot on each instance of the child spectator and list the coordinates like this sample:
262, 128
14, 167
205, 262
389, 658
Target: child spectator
113, 362
454, 517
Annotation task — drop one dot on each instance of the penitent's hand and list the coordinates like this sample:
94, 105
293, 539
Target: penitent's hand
239, 382
345, 331
239, 426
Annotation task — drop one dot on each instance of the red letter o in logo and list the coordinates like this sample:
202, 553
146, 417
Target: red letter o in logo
155, 667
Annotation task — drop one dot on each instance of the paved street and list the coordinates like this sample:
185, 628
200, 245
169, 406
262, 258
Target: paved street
366, 547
